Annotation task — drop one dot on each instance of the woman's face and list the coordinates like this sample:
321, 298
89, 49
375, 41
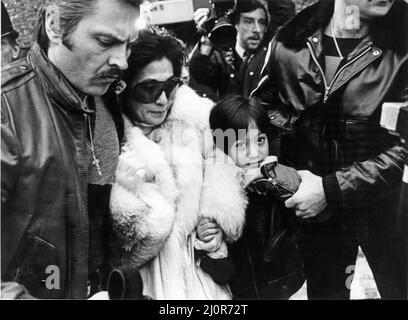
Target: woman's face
144, 84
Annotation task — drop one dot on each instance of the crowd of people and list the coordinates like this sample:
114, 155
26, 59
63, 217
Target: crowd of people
217, 172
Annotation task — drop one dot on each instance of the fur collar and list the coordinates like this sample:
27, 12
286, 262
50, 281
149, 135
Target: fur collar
389, 32
188, 106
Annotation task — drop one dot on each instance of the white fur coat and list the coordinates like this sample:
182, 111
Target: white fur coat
164, 184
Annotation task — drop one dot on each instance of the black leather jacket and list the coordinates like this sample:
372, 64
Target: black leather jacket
44, 166
333, 128
267, 258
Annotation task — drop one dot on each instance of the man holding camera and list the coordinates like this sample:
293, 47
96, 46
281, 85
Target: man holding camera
234, 67
329, 71
60, 146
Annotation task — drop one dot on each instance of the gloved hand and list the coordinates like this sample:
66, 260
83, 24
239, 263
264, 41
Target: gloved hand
279, 180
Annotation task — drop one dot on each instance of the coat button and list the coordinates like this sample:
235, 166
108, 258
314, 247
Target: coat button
376, 53
315, 40
232, 76
251, 73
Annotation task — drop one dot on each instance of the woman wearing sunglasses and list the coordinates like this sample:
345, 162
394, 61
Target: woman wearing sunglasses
167, 181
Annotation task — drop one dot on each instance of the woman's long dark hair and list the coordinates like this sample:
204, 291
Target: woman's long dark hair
152, 44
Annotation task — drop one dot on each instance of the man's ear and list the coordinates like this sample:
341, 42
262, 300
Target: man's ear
15, 50
52, 24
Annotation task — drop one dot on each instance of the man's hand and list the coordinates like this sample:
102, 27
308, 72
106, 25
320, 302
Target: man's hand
205, 46
200, 16
309, 200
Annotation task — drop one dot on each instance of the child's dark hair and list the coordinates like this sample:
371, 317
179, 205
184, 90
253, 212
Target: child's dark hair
237, 112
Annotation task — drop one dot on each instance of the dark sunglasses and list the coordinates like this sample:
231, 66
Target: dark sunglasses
149, 91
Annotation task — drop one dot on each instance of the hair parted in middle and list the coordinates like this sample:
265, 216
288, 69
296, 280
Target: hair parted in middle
245, 6
153, 44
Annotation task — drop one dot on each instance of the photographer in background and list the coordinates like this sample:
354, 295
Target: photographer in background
232, 67
10, 49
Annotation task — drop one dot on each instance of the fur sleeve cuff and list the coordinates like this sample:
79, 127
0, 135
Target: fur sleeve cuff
142, 222
142, 207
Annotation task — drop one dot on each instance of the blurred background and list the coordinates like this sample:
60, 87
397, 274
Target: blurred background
23, 14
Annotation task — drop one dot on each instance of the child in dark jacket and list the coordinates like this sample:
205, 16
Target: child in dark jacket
266, 258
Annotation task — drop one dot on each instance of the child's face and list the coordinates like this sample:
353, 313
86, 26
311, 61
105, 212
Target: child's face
250, 150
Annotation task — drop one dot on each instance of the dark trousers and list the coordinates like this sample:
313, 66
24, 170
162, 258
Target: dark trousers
330, 251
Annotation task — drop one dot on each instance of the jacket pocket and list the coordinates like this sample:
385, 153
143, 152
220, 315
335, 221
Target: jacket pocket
36, 266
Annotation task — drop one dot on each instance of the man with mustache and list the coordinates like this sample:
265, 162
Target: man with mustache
215, 72
328, 73
60, 132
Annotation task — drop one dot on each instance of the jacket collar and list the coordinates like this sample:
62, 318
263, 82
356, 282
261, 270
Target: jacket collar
316, 39
55, 84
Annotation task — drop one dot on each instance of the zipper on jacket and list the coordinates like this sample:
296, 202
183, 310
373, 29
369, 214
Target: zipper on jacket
260, 83
326, 85
84, 168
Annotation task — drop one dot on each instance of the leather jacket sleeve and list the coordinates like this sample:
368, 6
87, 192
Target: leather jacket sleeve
203, 72
9, 173
354, 186
9, 155
281, 115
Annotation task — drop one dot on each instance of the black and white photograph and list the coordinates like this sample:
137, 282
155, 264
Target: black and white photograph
205, 151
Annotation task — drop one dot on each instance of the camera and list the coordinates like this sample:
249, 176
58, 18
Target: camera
125, 283
219, 27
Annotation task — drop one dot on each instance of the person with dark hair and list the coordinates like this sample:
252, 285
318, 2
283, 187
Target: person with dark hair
60, 145
171, 194
328, 73
10, 50
267, 258
217, 72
